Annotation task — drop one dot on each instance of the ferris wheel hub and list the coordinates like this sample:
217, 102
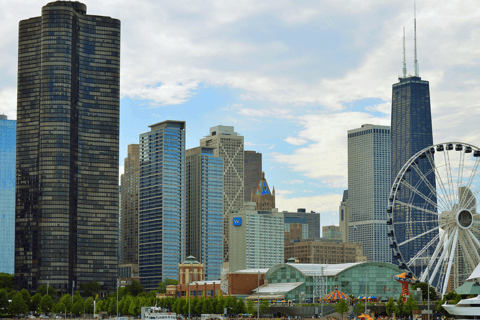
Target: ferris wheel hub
464, 218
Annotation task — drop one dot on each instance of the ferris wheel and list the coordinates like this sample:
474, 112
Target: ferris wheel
433, 219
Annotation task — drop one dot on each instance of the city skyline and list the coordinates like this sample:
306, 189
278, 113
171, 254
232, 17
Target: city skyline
301, 71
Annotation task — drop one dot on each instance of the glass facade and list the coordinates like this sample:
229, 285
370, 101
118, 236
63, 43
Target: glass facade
129, 207
161, 203
368, 190
412, 132
346, 277
8, 138
67, 149
228, 145
253, 172
311, 218
204, 209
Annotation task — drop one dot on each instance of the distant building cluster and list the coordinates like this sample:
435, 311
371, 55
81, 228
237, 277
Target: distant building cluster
205, 216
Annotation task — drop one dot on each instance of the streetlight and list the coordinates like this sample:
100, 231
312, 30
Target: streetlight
258, 295
189, 299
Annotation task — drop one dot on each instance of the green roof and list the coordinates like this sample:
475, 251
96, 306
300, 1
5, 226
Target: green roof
191, 260
468, 288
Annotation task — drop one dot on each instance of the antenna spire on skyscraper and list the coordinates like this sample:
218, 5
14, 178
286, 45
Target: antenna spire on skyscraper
404, 62
415, 63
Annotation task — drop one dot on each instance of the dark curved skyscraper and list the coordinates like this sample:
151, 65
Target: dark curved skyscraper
67, 149
411, 131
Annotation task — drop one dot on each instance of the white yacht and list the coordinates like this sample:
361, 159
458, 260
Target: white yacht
466, 308
156, 313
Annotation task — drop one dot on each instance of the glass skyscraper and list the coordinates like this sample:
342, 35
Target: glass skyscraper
68, 104
8, 138
162, 203
412, 132
368, 190
204, 209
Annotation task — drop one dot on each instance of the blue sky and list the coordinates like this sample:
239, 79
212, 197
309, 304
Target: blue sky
291, 76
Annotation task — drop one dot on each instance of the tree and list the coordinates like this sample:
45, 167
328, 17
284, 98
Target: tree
132, 307
401, 310
135, 288
3, 300
17, 306
230, 302
99, 306
341, 307
6, 281
26, 297
90, 288
264, 306
411, 305
77, 307
89, 305
162, 286
46, 304
251, 307
35, 301
67, 301
207, 306
423, 286
127, 300
390, 307
360, 308
199, 306
77, 297
112, 306
240, 307
59, 307
43, 291
220, 305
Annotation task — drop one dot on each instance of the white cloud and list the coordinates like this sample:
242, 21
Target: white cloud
295, 141
8, 102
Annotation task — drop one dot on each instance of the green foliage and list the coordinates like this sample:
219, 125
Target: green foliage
67, 301
401, 309
341, 307
112, 306
135, 288
220, 305
35, 301
230, 303
264, 306
26, 297
3, 300
423, 286
17, 306
390, 307
360, 308
162, 286
208, 306
199, 306
240, 307
99, 306
90, 288
46, 304
77, 297
77, 308
59, 307
89, 305
251, 307
6, 281
410, 305
11, 294
43, 291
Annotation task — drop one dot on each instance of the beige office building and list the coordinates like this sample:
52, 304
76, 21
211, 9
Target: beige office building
325, 251
228, 145
256, 238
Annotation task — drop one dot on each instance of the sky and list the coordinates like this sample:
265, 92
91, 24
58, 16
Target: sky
291, 76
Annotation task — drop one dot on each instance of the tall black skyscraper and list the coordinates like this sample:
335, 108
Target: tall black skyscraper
411, 131
66, 228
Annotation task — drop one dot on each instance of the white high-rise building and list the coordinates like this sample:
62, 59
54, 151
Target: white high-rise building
368, 190
228, 145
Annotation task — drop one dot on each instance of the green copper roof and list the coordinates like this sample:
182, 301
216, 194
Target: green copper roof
191, 260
